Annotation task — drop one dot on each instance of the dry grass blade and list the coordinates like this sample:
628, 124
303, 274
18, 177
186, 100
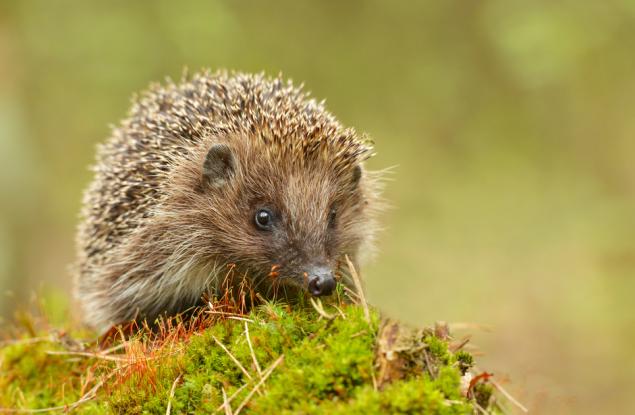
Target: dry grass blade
456, 346
85, 381
319, 307
251, 350
480, 408
125, 358
31, 340
234, 316
231, 316
339, 310
246, 320
113, 349
359, 288
101, 356
265, 375
351, 294
359, 333
226, 405
509, 396
232, 357
231, 398
374, 379
171, 396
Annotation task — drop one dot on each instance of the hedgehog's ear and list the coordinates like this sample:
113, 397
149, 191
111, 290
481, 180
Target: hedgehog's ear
219, 165
357, 176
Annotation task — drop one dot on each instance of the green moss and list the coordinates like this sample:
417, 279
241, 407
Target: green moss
482, 394
33, 378
438, 348
465, 360
329, 365
327, 368
418, 395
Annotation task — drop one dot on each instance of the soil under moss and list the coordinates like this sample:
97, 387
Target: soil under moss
298, 362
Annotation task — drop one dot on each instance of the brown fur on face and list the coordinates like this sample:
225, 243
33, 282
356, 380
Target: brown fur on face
165, 214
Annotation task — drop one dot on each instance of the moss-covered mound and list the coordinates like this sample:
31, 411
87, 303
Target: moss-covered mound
274, 360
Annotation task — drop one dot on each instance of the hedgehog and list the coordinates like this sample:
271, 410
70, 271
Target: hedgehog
218, 172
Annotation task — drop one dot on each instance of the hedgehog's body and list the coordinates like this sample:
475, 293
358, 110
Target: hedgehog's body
220, 170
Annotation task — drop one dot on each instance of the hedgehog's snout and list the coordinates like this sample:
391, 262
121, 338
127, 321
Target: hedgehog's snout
321, 281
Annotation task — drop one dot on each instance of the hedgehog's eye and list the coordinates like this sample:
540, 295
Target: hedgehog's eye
264, 219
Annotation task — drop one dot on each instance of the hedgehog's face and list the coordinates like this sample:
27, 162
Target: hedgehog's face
292, 225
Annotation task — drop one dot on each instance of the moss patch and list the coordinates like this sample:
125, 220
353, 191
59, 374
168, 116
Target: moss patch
321, 367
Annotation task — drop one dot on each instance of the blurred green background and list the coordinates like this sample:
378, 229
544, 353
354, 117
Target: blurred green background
511, 125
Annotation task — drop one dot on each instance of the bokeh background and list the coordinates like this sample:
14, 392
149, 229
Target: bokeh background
511, 126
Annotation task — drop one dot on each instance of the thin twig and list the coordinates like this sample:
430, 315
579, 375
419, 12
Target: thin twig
251, 349
360, 289
171, 396
262, 380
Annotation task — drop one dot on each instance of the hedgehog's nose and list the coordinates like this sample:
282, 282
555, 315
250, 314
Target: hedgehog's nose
321, 281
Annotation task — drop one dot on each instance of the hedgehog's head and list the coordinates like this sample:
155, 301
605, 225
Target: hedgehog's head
287, 216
